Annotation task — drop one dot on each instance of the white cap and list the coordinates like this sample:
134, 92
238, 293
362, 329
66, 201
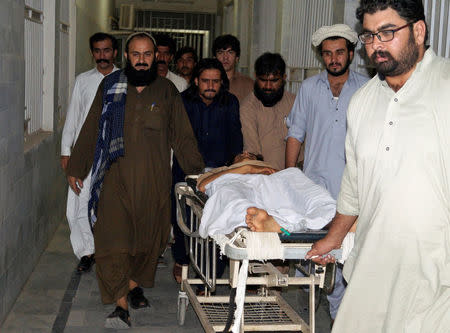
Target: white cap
337, 30
141, 33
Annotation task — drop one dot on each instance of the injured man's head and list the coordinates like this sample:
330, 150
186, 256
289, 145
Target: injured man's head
247, 156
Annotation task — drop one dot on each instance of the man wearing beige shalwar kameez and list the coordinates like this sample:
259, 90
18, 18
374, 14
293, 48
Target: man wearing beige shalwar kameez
396, 182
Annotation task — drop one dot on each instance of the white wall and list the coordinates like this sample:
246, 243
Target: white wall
92, 17
359, 63
437, 15
265, 22
199, 6
32, 185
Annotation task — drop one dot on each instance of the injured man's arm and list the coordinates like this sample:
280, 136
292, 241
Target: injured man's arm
242, 170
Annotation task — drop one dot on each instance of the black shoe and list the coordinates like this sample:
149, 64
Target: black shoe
118, 319
85, 263
137, 299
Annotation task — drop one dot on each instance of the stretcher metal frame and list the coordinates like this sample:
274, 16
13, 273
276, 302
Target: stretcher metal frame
266, 312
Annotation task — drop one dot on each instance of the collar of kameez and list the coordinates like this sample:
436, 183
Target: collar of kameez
323, 76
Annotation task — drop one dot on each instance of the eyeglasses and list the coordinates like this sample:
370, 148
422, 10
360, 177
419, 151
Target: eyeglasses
383, 35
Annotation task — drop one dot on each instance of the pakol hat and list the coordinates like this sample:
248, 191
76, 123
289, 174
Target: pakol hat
337, 30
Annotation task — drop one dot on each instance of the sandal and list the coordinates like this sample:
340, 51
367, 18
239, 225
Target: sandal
118, 319
85, 263
137, 299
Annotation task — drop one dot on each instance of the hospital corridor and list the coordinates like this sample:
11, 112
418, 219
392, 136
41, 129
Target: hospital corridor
107, 105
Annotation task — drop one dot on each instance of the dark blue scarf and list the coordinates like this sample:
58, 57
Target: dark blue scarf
110, 136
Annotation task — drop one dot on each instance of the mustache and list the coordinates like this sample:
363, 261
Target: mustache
161, 62
335, 64
383, 54
210, 90
143, 64
106, 61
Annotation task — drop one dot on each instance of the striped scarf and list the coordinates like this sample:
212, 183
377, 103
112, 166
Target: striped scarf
110, 136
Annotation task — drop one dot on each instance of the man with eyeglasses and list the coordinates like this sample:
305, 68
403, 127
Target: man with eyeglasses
318, 118
396, 181
227, 49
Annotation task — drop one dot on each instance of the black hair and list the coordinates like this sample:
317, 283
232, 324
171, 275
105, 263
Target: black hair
270, 63
166, 40
226, 41
101, 36
204, 64
184, 50
139, 35
350, 45
258, 157
409, 10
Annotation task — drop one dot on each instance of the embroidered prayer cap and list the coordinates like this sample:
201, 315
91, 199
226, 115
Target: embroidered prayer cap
337, 30
140, 33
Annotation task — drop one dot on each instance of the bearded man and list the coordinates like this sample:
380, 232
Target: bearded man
141, 117
396, 181
263, 113
319, 118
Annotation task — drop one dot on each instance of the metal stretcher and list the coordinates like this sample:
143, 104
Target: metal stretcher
267, 311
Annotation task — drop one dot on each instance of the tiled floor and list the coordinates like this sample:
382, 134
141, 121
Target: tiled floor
57, 299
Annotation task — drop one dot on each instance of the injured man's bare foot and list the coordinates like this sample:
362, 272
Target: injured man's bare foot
258, 220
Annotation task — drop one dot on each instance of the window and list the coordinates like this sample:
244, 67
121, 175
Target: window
39, 47
34, 37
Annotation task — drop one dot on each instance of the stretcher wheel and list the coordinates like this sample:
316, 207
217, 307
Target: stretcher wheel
329, 279
183, 303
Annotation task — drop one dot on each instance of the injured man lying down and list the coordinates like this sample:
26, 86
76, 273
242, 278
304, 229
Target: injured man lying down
250, 193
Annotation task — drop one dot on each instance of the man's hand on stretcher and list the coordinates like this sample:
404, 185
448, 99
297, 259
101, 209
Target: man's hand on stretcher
339, 227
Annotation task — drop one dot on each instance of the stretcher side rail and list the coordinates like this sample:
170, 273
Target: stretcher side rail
201, 251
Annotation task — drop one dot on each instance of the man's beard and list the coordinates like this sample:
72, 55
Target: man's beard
342, 71
140, 78
393, 67
268, 97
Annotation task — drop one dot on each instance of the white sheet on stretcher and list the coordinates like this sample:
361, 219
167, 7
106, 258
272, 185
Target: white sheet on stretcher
295, 201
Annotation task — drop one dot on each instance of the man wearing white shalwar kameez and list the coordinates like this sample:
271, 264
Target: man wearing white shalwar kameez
104, 50
396, 182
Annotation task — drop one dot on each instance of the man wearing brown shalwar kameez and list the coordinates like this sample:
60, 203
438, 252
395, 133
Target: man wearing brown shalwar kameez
132, 219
